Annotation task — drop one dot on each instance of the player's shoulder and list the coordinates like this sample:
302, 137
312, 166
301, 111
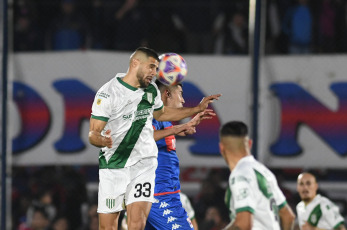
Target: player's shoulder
323, 200
110, 85
300, 206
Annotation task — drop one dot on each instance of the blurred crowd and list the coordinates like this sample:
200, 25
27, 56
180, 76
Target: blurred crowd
184, 26
59, 198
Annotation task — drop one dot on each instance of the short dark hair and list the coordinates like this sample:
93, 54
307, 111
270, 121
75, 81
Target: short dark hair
162, 86
234, 128
149, 52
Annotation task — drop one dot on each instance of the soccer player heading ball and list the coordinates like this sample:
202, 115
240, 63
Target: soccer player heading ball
121, 126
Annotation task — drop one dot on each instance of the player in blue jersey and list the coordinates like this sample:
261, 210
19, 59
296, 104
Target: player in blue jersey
167, 211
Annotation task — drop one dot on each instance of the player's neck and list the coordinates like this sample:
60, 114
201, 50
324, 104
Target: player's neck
131, 80
308, 201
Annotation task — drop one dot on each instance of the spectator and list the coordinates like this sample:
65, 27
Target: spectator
129, 21
197, 20
214, 219
40, 220
327, 30
60, 223
233, 36
42, 202
297, 25
69, 30
26, 33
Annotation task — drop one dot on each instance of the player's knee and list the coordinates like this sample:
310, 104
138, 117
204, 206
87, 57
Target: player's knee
137, 224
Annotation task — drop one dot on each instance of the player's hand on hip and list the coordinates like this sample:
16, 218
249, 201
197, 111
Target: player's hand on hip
207, 100
107, 140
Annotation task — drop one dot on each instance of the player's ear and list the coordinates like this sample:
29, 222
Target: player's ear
168, 93
250, 143
221, 148
134, 62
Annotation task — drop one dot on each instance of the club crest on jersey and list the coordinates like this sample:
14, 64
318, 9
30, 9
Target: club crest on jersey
98, 102
243, 193
110, 202
150, 97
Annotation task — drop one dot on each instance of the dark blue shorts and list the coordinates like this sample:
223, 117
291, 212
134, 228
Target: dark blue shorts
167, 213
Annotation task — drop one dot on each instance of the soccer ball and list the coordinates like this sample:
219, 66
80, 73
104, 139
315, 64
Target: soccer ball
172, 69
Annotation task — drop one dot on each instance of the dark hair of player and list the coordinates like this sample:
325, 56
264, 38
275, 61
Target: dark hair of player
149, 52
234, 128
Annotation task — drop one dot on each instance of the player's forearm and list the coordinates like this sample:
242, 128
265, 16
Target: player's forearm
97, 139
287, 218
176, 114
175, 130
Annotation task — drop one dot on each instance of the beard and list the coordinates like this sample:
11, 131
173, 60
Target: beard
141, 80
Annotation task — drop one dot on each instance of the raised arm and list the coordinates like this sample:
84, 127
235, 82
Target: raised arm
176, 114
95, 137
184, 129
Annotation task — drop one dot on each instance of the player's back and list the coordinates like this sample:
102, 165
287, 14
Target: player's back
254, 189
167, 173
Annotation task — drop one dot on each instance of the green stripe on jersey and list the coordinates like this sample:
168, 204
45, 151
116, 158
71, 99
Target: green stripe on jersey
245, 209
122, 153
315, 216
263, 184
282, 205
100, 118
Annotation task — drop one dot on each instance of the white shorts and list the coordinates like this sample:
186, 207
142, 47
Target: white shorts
121, 187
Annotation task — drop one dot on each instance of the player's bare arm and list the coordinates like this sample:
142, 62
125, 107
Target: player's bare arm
308, 226
340, 227
175, 130
95, 137
176, 114
287, 217
243, 221
184, 129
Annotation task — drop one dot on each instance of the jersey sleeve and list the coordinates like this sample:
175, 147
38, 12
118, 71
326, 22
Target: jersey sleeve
157, 125
279, 197
331, 213
158, 103
101, 108
242, 192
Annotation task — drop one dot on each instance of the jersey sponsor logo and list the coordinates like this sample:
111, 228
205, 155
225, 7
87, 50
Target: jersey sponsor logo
175, 226
98, 102
167, 212
142, 114
110, 202
128, 103
127, 117
104, 95
163, 205
171, 219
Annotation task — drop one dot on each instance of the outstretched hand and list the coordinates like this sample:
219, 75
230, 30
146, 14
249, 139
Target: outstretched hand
207, 100
206, 114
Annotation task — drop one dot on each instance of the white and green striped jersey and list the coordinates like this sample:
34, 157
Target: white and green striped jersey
128, 112
254, 188
320, 212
